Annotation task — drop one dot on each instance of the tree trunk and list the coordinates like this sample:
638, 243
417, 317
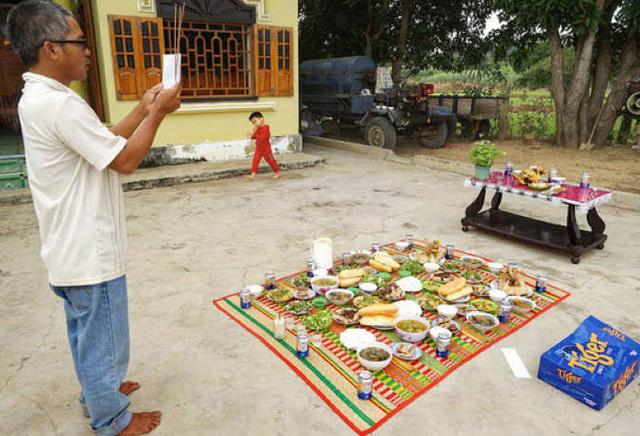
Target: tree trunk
401, 48
629, 68
602, 68
557, 80
625, 129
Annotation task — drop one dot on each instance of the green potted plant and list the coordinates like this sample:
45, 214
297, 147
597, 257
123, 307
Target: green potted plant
483, 155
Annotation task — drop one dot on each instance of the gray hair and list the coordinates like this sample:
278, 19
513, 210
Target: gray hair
31, 23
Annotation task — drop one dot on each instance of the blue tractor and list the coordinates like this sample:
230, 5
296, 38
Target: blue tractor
344, 90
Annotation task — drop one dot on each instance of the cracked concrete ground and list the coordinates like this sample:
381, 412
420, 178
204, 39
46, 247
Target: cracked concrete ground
191, 243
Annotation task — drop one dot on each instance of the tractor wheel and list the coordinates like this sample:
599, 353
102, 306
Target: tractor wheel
379, 132
484, 129
470, 130
433, 135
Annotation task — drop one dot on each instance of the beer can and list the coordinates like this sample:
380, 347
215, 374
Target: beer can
553, 173
365, 385
508, 169
269, 280
504, 315
409, 239
448, 254
302, 345
311, 266
541, 282
245, 299
442, 345
375, 247
585, 180
346, 258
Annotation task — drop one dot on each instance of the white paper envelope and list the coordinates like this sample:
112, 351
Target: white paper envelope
171, 67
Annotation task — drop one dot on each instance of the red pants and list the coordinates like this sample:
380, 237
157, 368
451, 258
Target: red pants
267, 154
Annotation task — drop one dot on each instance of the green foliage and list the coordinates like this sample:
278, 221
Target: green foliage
484, 153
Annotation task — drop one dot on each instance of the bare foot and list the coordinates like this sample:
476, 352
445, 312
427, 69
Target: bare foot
276, 176
142, 423
127, 387
251, 177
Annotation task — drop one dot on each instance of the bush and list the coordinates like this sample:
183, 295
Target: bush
484, 153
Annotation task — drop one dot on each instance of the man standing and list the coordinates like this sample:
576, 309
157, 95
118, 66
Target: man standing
73, 162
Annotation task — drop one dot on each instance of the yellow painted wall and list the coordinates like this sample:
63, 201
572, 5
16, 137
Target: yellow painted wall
79, 87
190, 128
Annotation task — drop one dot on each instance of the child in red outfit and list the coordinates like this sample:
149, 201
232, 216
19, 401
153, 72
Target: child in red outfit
261, 134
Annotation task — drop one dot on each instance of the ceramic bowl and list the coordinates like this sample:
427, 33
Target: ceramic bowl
497, 295
335, 293
375, 366
447, 311
521, 305
409, 336
323, 288
495, 267
431, 267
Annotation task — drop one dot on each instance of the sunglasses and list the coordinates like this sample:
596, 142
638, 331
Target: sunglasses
83, 42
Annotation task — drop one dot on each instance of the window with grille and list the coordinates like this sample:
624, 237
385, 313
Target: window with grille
215, 59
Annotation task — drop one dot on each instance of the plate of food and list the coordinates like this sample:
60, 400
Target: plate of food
480, 290
429, 302
450, 267
482, 321
324, 284
355, 339
299, 307
406, 351
465, 308
413, 267
346, 316
539, 186
365, 300
375, 357
280, 295
304, 294
379, 316
473, 277
472, 261
361, 258
512, 282
411, 328
450, 325
391, 292
410, 284
320, 320
339, 297
521, 305
484, 305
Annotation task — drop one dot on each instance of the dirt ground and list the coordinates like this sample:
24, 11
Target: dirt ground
189, 244
611, 167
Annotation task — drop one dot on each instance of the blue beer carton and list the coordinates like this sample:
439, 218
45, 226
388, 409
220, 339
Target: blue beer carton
593, 364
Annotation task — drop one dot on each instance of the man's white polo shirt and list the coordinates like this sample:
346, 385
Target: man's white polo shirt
78, 200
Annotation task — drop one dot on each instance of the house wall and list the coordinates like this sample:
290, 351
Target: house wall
210, 125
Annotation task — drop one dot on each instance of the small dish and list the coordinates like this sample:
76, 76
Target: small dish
450, 325
339, 297
364, 356
319, 302
255, 291
310, 295
482, 321
431, 267
411, 336
521, 305
324, 284
447, 311
495, 267
368, 287
417, 351
435, 331
472, 261
402, 245
497, 295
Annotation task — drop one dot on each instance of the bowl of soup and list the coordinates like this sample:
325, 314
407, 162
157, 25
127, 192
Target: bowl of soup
411, 328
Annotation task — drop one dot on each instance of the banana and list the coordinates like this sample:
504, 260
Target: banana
380, 266
452, 287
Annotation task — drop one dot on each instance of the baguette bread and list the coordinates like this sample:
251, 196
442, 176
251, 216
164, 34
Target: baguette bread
452, 287
351, 273
377, 320
459, 294
380, 266
390, 310
347, 283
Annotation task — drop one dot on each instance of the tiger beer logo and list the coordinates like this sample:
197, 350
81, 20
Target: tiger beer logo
615, 333
624, 379
591, 355
568, 376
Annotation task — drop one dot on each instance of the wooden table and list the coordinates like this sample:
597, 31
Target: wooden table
570, 238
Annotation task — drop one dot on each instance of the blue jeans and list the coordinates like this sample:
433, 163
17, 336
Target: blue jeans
98, 331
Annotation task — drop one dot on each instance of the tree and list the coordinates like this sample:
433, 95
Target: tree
604, 36
410, 34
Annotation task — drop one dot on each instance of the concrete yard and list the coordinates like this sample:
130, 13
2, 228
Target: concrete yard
191, 243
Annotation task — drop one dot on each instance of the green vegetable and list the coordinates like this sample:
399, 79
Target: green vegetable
320, 320
484, 153
484, 305
413, 266
430, 285
301, 281
472, 276
299, 306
